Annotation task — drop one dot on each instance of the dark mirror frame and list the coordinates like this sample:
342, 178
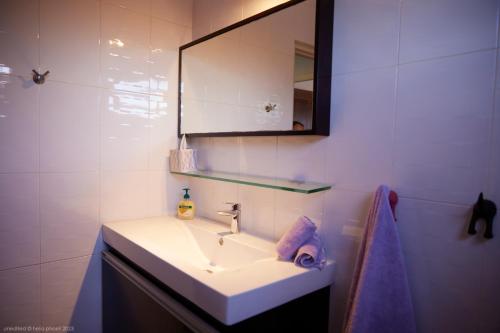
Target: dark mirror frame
322, 71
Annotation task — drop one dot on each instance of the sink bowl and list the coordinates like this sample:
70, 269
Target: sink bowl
230, 276
220, 251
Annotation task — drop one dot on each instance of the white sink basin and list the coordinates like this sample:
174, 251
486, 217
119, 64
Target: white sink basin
221, 251
232, 281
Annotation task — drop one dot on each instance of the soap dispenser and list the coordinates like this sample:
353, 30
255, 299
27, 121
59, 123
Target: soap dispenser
185, 209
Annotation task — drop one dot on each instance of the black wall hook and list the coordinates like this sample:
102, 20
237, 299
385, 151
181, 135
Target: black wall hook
39, 78
486, 210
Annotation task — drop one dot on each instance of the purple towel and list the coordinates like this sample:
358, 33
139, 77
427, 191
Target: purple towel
380, 300
311, 254
297, 235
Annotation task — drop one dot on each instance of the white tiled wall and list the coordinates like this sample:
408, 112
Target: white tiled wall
413, 107
90, 145
416, 105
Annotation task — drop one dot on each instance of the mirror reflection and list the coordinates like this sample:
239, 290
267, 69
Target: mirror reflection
257, 77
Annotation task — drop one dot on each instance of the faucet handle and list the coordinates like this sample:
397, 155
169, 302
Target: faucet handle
236, 206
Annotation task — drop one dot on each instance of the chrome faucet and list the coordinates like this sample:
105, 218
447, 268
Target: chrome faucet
235, 214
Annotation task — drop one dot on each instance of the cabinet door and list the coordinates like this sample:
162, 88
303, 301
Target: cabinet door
131, 303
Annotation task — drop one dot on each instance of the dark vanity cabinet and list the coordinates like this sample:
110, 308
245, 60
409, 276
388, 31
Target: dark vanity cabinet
134, 301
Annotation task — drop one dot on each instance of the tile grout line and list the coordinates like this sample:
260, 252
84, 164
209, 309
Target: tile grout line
98, 86
447, 56
143, 14
101, 86
275, 206
149, 122
100, 110
39, 173
492, 126
46, 262
396, 100
498, 25
398, 64
494, 113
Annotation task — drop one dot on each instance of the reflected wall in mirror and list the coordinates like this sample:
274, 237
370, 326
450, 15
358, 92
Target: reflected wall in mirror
257, 77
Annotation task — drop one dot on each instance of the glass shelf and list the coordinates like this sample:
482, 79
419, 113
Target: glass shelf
278, 184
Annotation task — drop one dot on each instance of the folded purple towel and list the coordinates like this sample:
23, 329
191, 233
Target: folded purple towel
298, 234
311, 253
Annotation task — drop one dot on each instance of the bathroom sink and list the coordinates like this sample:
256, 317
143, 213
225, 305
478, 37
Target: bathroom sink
220, 251
230, 276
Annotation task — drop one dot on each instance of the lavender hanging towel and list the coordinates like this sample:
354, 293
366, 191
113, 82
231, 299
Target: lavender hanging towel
380, 300
311, 253
298, 234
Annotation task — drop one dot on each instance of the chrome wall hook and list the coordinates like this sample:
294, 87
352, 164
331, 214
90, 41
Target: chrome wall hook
270, 107
39, 78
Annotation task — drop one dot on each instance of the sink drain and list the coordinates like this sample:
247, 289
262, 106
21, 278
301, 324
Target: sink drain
208, 271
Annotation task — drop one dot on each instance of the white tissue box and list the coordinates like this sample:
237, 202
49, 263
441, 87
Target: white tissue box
182, 160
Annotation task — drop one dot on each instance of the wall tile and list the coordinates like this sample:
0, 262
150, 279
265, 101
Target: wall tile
163, 193
123, 195
432, 28
211, 196
69, 128
257, 156
359, 150
233, 12
494, 186
20, 228
166, 37
219, 194
68, 51
301, 158
202, 12
371, 116
125, 131
252, 7
453, 94
163, 131
439, 296
340, 230
177, 11
20, 295
365, 34
71, 293
257, 210
140, 6
200, 194
449, 303
202, 148
124, 49
490, 272
489, 288
19, 120
222, 154
343, 221
69, 215
19, 22
289, 206
417, 267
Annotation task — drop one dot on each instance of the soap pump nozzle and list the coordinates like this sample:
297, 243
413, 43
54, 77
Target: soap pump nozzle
186, 195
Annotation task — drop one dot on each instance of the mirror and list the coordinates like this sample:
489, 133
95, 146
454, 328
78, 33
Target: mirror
260, 76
